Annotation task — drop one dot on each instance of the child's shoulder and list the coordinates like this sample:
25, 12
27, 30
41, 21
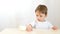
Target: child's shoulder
47, 21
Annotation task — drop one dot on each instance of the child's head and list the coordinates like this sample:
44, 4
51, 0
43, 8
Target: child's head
41, 12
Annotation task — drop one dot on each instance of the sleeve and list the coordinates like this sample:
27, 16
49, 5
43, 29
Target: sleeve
50, 25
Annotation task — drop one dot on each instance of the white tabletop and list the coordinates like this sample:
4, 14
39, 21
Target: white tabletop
35, 31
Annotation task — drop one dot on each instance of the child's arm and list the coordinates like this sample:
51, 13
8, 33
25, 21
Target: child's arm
54, 28
29, 28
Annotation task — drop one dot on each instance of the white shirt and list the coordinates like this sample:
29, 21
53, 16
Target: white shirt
41, 25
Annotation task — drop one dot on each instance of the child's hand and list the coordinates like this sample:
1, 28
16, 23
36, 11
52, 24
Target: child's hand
54, 28
29, 28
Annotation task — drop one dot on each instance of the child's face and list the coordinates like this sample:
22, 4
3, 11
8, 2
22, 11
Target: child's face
40, 16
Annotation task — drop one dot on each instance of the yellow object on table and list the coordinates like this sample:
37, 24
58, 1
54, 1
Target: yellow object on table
35, 31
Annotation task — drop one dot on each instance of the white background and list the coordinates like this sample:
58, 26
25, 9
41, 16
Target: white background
20, 12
